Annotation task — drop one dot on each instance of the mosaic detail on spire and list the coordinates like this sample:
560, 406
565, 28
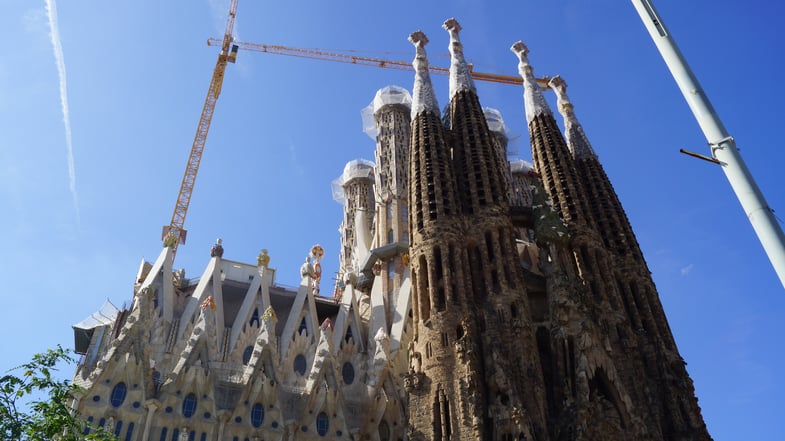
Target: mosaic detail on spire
578, 143
532, 96
424, 99
460, 76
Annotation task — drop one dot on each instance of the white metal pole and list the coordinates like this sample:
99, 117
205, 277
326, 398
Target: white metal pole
723, 146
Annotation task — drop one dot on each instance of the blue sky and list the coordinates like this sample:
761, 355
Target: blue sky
137, 73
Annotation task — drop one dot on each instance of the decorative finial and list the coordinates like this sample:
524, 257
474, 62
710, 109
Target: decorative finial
170, 240
217, 250
263, 259
317, 252
209, 303
424, 99
532, 96
577, 141
460, 75
269, 314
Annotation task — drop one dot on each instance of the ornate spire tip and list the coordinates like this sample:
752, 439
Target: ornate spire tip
418, 38
558, 82
520, 49
451, 24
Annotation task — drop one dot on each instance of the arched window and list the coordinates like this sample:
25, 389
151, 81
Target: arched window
347, 371
204, 437
102, 422
88, 425
254, 317
156, 380
189, 405
348, 334
384, 431
117, 428
299, 364
390, 236
257, 415
247, 354
118, 394
192, 436
322, 424
163, 434
175, 435
130, 432
303, 327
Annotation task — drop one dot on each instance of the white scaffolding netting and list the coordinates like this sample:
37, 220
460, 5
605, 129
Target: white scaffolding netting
105, 315
495, 121
357, 168
496, 125
385, 96
520, 166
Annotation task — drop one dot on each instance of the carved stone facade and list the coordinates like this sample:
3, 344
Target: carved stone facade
476, 300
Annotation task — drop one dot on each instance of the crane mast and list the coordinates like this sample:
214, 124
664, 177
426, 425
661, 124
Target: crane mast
174, 234
339, 57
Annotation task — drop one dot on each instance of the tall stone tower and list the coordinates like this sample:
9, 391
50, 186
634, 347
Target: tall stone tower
476, 368
625, 378
387, 121
354, 188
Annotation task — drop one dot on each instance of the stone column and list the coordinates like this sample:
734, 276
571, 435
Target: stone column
152, 406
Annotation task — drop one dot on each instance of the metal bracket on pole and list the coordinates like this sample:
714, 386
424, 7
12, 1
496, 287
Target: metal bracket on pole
719, 145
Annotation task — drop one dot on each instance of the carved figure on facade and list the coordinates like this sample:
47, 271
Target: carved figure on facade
179, 278
217, 250
413, 380
306, 270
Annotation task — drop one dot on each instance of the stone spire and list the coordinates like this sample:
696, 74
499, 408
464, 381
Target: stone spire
533, 100
460, 76
577, 141
424, 99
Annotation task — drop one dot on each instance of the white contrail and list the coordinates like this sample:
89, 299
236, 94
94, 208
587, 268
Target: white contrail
54, 33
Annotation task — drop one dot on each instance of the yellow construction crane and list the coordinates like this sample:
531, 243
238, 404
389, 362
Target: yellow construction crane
319, 54
174, 233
